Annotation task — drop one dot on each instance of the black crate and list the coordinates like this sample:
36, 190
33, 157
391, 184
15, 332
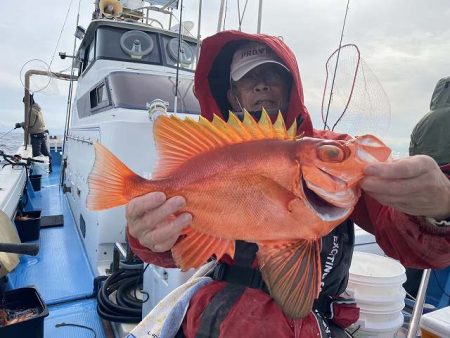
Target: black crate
20, 299
28, 230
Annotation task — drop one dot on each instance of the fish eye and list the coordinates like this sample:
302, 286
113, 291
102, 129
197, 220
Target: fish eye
330, 153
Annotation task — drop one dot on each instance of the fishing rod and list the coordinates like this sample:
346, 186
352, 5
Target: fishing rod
178, 58
7, 132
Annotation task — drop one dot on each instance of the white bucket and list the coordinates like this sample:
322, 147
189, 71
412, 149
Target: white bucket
367, 327
375, 282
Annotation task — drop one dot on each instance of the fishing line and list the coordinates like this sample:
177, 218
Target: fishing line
7, 133
241, 18
60, 33
77, 325
325, 124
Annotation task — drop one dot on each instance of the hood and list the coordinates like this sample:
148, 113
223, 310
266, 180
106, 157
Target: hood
213, 71
441, 94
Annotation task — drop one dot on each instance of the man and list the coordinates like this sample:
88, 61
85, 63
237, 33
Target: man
431, 136
37, 130
236, 71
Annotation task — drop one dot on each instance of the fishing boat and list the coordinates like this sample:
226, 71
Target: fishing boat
128, 69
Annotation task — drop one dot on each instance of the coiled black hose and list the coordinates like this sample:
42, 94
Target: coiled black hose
124, 306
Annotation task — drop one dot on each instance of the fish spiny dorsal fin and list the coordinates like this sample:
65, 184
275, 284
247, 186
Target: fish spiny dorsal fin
280, 128
178, 140
241, 129
266, 125
252, 126
220, 138
227, 129
292, 131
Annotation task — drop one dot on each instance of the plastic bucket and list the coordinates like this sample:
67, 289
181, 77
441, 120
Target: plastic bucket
35, 181
376, 271
375, 282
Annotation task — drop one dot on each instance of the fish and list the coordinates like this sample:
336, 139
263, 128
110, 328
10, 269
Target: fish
251, 181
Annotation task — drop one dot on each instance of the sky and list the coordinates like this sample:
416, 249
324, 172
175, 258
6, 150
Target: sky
405, 43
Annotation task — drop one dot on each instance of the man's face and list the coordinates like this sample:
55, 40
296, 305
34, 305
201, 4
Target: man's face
266, 86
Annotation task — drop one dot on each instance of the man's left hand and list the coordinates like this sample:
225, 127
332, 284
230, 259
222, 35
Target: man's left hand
414, 185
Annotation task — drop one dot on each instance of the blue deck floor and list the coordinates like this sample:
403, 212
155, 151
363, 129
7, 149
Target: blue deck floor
61, 271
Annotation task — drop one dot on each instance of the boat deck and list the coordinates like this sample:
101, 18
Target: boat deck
61, 271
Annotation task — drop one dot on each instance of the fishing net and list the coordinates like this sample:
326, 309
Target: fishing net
42, 80
353, 102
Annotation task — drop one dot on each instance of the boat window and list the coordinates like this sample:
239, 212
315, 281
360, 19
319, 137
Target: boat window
87, 55
99, 97
136, 90
115, 43
91, 52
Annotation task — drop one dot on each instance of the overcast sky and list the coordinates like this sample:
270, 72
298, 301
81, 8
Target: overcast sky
404, 42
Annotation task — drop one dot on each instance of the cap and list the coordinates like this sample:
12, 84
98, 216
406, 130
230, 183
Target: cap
249, 56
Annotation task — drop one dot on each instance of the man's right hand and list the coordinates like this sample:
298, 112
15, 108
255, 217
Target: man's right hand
152, 222
18, 125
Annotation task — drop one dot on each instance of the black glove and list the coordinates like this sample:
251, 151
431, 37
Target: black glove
18, 125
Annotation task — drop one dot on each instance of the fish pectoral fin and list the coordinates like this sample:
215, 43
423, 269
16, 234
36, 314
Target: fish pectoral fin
292, 273
197, 248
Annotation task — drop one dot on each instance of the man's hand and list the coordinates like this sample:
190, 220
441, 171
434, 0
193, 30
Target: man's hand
413, 185
151, 220
18, 125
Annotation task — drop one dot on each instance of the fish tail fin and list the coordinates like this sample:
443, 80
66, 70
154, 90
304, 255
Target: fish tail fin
108, 181
197, 248
292, 273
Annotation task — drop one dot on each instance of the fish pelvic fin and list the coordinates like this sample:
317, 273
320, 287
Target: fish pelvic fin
196, 248
179, 140
109, 181
292, 273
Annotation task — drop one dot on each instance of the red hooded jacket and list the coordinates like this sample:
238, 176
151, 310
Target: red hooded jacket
254, 314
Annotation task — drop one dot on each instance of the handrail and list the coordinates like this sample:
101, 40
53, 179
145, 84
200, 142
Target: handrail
418, 307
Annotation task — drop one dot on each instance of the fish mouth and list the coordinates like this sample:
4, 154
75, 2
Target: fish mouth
324, 209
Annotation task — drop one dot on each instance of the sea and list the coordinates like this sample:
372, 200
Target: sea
10, 142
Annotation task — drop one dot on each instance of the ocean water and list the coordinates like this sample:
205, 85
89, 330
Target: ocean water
10, 142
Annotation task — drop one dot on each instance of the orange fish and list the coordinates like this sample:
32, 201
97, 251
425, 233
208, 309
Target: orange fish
251, 181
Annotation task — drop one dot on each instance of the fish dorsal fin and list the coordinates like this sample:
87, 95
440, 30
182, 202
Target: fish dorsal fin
179, 140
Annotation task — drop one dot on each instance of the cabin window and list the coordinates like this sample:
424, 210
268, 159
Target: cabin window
99, 97
136, 90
